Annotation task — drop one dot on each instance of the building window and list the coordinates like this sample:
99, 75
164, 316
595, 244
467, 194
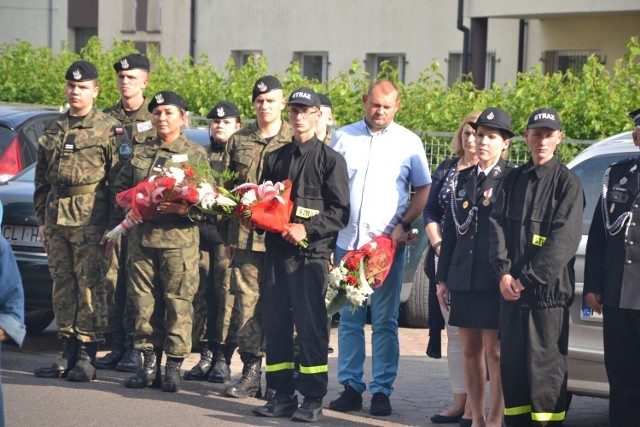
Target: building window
154, 15
314, 65
129, 16
82, 19
241, 57
556, 60
374, 63
454, 70
82, 36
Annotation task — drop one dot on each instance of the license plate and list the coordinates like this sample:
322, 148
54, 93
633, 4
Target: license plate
589, 315
21, 235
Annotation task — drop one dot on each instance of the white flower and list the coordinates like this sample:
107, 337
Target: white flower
206, 195
177, 173
249, 197
225, 201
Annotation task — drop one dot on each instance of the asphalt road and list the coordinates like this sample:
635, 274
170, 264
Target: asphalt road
421, 390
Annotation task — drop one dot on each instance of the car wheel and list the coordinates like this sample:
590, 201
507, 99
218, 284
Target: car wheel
416, 308
37, 321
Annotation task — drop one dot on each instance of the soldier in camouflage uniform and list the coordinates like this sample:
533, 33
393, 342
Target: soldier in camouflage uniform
213, 304
246, 152
76, 155
163, 253
133, 114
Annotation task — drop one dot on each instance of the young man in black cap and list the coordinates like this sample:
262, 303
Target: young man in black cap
131, 111
536, 227
246, 151
611, 277
293, 289
72, 200
213, 303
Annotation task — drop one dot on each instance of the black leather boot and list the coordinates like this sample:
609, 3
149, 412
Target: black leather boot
147, 373
85, 367
111, 359
61, 366
131, 360
171, 380
249, 383
200, 372
221, 372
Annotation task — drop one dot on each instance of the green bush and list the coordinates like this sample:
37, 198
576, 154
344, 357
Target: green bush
592, 105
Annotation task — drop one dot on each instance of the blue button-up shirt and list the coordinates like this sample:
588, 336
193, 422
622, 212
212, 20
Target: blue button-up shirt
382, 167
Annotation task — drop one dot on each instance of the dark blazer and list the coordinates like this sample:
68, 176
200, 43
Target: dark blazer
612, 264
464, 258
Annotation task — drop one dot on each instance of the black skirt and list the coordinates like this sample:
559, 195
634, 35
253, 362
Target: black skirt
476, 310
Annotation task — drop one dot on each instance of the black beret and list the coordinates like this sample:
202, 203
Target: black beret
167, 98
635, 116
325, 101
304, 96
223, 110
495, 118
132, 62
265, 84
81, 71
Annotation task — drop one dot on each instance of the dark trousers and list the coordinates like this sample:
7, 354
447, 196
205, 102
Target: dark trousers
293, 293
621, 329
533, 364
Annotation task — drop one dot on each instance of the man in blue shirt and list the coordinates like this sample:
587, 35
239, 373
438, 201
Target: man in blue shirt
384, 160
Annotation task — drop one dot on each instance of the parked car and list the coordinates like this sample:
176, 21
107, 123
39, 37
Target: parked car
20, 127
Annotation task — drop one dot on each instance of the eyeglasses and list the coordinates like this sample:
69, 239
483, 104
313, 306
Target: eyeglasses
304, 113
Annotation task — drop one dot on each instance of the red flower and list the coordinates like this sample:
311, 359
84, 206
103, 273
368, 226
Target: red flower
352, 280
188, 171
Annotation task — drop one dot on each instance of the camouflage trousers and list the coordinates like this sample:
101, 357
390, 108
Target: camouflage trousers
121, 311
214, 317
245, 271
162, 282
78, 267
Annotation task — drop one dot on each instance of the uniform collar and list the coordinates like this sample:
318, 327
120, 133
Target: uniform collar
541, 171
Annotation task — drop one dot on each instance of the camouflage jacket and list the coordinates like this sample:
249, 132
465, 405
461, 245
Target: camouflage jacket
166, 231
246, 150
72, 170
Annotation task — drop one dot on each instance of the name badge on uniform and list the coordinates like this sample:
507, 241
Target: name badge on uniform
144, 126
179, 158
538, 240
306, 213
69, 146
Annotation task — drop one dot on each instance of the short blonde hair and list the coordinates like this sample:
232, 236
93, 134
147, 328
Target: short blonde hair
456, 142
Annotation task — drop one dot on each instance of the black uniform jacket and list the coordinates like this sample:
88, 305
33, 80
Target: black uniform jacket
612, 265
464, 258
536, 227
320, 192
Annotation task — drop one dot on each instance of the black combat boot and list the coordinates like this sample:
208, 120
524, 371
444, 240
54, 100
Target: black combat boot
131, 360
111, 359
171, 380
85, 368
147, 373
249, 383
201, 371
221, 371
61, 366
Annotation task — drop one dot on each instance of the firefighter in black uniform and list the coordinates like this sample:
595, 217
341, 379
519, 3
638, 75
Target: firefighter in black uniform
612, 282
536, 227
214, 328
294, 280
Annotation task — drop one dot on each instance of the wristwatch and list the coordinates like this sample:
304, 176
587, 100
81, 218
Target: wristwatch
406, 225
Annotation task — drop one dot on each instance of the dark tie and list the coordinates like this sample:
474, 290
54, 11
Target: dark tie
479, 180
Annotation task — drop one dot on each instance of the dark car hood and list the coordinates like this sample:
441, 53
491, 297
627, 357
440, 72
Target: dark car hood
17, 198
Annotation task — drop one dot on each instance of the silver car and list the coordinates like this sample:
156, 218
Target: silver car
587, 375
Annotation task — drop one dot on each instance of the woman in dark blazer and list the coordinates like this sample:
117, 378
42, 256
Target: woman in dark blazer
464, 279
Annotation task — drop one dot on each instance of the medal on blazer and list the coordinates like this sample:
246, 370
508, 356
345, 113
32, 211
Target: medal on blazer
623, 181
487, 195
612, 208
465, 205
461, 193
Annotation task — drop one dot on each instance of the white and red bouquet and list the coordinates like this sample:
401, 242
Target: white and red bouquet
359, 272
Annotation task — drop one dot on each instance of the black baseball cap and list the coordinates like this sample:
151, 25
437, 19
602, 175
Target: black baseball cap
325, 101
223, 110
304, 96
495, 118
544, 118
167, 98
265, 84
635, 116
81, 71
131, 62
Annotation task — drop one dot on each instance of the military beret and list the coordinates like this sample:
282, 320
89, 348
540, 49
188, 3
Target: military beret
304, 96
495, 118
265, 84
132, 62
167, 98
223, 110
325, 101
635, 116
81, 71
544, 118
